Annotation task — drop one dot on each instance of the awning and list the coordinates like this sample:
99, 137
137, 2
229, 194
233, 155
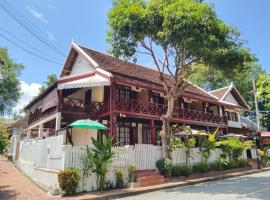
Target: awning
91, 81
265, 134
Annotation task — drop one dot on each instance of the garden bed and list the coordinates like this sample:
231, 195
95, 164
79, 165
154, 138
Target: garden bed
206, 174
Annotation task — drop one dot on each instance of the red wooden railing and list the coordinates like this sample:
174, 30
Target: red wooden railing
80, 105
38, 114
136, 106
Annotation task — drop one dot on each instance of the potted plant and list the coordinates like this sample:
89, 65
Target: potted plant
131, 174
119, 174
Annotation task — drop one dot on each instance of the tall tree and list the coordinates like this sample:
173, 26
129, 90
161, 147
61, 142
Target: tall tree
51, 79
9, 82
3, 136
210, 78
175, 34
263, 94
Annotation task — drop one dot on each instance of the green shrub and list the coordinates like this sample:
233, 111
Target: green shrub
119, 174
200, 167
186, 170
68, 180
176, 170
164, 166
233, 148
181, 170
216, 166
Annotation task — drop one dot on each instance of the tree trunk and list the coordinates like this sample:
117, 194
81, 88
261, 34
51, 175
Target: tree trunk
166, 118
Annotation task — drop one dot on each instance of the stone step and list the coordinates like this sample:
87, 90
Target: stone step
148, 172
150, 180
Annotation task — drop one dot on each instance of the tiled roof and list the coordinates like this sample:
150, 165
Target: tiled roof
20, 123
135, 73
219, 93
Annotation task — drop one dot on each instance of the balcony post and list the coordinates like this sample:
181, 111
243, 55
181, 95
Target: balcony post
152, 131
113, 116
113, 121
60, 100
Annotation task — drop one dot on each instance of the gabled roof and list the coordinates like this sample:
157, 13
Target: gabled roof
126, 71
222, 93
219, 93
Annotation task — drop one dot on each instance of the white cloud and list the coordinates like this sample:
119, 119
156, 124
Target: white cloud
36, 14
28, 92
51, 36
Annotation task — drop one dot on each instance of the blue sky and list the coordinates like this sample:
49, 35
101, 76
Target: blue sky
85, 22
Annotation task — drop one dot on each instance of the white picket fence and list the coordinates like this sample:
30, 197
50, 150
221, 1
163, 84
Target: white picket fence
179, 156
41, 159
43, 153
143, 155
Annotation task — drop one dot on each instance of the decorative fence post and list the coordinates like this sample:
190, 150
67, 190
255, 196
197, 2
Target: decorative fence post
66, 156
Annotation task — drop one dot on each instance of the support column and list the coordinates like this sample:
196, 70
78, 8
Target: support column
113, 129
40, 130
152, 131
28, 133
113, 116
60, 99
58, 121
204, 106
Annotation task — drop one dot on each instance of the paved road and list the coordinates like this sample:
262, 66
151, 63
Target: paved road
250, 187
13, 185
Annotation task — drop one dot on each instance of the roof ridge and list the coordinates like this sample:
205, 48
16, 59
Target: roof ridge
82, 46
220, 89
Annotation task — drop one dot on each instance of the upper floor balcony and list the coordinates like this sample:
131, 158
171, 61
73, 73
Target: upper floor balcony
137, 107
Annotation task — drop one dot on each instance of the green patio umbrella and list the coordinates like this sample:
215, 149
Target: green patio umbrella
87, 124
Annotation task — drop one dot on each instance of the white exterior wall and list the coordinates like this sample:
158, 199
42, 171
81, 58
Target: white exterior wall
234, 124
81, 66
231, 99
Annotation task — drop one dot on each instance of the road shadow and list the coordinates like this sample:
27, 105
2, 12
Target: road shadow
7, 194
253, 186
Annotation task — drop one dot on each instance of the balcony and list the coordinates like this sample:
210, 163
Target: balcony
179, 114
79, 105
132, 106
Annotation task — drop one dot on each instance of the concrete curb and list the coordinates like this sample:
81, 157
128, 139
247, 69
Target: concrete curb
131, 192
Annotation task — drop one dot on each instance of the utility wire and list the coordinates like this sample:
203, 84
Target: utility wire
24, 22
30, 52
30, 46
30, 23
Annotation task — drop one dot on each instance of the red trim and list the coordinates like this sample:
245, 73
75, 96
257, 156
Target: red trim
83, 76
75, 78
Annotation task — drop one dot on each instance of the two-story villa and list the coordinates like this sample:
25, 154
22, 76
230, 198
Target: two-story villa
128, 98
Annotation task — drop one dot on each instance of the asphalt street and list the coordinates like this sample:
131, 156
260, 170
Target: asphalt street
250, 187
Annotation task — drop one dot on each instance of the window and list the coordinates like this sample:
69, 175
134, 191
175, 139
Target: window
146, 134
123, 132
232, 116
123, 92
156, 98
